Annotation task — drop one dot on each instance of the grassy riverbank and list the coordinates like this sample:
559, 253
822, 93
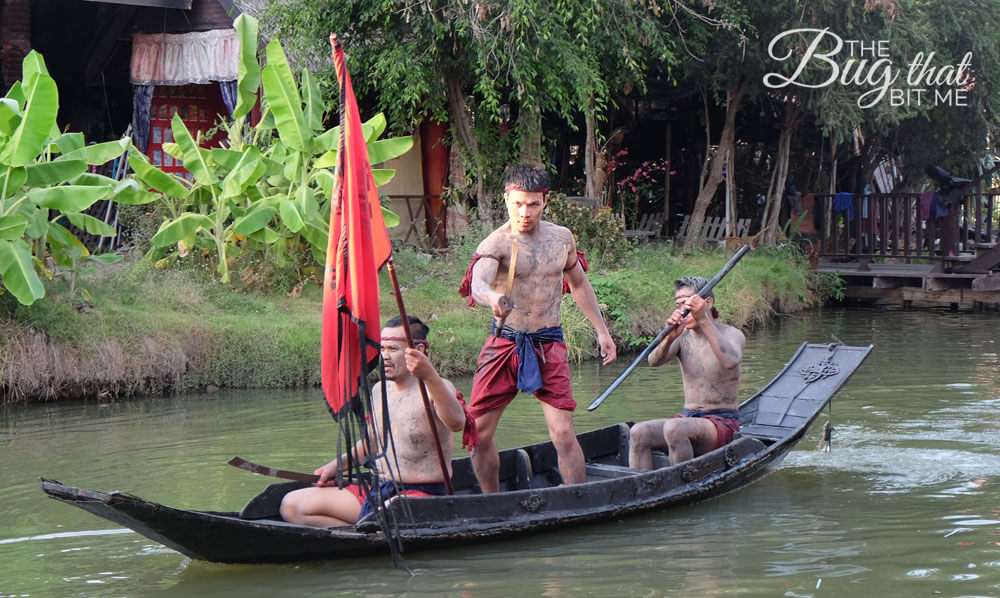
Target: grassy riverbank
149, 331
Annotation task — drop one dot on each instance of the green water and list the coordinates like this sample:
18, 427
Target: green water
907, 504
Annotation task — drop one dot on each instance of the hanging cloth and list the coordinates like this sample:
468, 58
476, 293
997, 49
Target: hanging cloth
185, 58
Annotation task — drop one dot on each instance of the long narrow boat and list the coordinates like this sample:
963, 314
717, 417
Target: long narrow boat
532, 500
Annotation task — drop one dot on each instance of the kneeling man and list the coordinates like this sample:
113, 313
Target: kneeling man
410, 465
710, 355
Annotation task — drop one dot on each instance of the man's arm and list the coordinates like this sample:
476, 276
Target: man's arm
440, 391
667, 349
729, 351
586, 300
483, 275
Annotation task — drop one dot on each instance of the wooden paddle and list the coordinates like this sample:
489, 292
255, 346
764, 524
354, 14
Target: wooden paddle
270, 471
506, 302
705, 290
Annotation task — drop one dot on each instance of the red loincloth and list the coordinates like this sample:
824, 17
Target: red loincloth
495, 382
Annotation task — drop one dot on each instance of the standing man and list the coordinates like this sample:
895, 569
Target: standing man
710, 354
410, 465
518, 272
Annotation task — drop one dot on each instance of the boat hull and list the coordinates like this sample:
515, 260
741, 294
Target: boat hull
532, 500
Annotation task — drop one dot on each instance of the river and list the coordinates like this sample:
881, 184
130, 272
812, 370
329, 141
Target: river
906, 504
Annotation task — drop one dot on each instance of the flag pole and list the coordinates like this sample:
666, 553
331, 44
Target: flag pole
423, 388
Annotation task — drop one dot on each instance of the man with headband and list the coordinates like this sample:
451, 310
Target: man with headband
410, 465
709, 353
525, 293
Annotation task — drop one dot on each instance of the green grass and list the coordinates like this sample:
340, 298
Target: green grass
152, 331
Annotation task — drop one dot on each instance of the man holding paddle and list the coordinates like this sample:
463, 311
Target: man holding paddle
710, 354
518, 272
409, 465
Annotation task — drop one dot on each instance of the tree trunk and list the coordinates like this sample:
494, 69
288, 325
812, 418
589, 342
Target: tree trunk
731, 196
668, 139
772, 208
708, 141
828, 222
466, 136
715, 176
530, 121
590, 153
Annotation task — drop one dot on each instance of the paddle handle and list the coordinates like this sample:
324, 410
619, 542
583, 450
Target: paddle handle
703, 291
272, 471
505, 302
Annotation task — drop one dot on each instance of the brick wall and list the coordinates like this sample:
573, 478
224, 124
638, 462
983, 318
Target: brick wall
15, 38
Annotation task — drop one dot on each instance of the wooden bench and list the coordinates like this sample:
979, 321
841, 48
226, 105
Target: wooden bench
714, 228
650, 225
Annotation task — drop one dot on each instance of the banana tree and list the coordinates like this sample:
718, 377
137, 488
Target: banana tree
271, 185
44, 184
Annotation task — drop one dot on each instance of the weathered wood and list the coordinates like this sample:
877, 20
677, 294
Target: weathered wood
714, 228
885, 282
984, 262
935, 297
937, 284
649, 226
990, 282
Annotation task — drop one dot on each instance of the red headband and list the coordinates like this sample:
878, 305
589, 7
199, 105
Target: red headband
516, 187
416, 341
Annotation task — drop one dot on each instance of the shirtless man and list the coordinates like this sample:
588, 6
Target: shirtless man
710, 355
419, 470
528, 354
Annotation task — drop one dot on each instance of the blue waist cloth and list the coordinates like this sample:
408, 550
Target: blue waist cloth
728, 413
529, 375
389, 488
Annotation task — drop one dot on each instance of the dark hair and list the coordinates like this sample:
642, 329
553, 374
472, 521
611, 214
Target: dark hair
527, 177
692, 282
418, 329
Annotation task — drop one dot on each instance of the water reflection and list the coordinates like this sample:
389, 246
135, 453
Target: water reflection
906, 504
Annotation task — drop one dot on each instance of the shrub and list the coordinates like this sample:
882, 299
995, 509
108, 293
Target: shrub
599, 232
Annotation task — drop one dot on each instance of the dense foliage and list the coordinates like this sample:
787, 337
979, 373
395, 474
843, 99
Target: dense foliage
46, 186
268, 190
541, 70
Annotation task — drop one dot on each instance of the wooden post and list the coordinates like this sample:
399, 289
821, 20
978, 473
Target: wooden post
434, 154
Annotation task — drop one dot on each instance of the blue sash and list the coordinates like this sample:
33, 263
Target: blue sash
727, 413
529, 375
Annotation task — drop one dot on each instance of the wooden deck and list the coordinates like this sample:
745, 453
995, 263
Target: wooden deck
915, 285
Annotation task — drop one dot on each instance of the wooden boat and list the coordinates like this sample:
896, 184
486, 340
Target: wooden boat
773, 421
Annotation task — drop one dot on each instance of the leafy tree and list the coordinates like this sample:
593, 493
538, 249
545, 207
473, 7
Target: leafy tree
475, 63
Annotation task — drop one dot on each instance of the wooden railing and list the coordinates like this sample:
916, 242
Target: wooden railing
894, 225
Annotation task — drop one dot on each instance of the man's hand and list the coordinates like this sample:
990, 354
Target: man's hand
328, 473
418, 364
696, 305
677, 318
609, 352
502, 306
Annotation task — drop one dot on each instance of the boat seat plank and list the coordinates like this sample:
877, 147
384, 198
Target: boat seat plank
605, 470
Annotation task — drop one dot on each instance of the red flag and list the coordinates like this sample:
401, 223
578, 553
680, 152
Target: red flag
358, 247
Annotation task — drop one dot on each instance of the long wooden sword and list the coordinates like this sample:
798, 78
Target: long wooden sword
506, 302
